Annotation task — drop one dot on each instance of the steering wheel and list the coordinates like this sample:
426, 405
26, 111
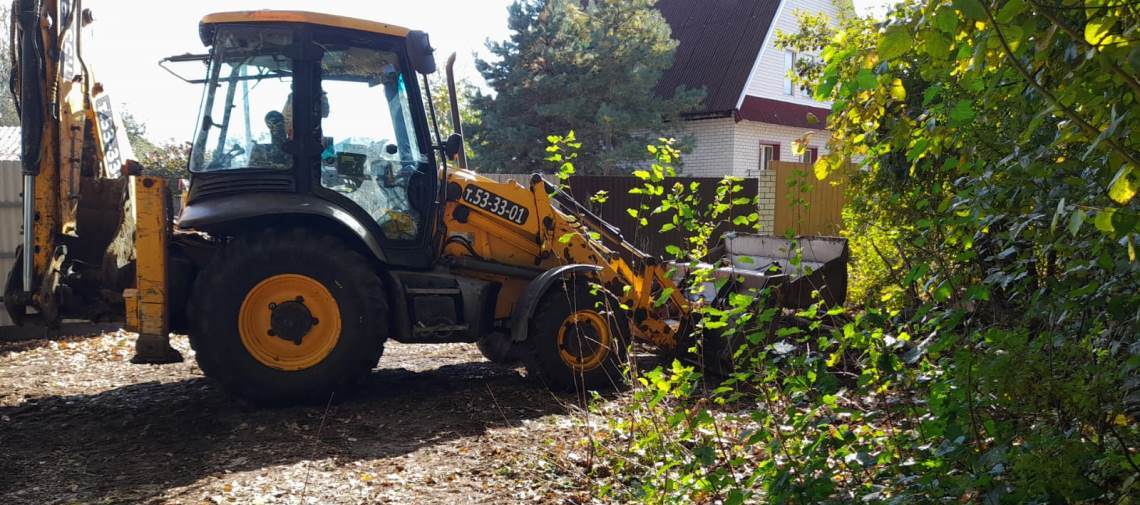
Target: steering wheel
223, 161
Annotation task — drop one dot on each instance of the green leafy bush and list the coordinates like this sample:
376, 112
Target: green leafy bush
992, 352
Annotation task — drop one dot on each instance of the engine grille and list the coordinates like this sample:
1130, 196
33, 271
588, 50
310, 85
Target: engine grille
212, 185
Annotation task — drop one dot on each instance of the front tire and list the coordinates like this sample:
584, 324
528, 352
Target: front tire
287, 316
578, 340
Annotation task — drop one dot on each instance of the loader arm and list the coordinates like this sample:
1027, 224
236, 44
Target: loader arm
538, 225
641, 281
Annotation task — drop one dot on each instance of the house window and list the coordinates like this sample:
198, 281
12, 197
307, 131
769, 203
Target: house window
811, 154
811, 60
789, 68
768, 154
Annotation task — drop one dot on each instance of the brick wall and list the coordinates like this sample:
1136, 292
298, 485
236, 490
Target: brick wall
766, 195
713, 147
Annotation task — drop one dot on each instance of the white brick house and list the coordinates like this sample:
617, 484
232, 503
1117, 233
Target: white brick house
752, 112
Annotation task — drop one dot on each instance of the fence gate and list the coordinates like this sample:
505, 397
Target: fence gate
804, 203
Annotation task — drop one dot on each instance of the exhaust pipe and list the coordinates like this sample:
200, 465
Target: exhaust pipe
456, 123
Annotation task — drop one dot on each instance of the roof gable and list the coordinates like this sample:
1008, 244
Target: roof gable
718, 44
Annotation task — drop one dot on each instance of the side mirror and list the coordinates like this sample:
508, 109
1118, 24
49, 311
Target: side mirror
420, 52
453, 147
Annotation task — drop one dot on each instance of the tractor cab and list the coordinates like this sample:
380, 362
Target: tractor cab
315, 117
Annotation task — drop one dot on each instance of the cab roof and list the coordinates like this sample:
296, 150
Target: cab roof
313, 18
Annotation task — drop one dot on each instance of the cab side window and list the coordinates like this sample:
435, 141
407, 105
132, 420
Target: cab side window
370, 151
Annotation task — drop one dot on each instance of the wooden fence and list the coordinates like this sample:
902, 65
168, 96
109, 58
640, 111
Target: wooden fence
805, 204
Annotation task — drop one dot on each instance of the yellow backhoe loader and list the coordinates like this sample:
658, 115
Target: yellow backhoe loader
321, 219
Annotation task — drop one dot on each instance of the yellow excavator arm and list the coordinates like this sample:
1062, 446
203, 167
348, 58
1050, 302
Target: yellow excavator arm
484, 220
77, 211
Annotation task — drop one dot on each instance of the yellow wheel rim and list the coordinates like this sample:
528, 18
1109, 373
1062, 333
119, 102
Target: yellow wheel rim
293, 297
584, 340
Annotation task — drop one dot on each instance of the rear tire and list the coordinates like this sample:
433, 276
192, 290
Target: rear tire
497, 349
578, 341
286, 316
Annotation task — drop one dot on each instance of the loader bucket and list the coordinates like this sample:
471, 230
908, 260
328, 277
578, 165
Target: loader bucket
766, 261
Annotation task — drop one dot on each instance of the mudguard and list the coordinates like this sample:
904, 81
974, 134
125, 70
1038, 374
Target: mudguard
524, 308
224, 210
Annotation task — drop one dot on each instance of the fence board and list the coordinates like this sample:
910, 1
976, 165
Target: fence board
810, 206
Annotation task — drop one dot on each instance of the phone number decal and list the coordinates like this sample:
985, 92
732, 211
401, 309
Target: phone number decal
495, 204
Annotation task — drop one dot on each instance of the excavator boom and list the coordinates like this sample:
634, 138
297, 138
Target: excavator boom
76, 208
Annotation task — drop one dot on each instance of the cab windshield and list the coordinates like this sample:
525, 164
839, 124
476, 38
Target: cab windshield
242, 123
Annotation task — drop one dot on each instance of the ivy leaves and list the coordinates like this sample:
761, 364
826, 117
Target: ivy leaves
961, 113
1098, 32
993, 225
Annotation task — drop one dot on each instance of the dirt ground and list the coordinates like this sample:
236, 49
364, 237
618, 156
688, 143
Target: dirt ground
434, 424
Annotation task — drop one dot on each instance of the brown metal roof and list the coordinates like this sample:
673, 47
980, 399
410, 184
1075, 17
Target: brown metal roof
719, 41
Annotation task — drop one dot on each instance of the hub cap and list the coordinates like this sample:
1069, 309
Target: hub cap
584, 340
289, 322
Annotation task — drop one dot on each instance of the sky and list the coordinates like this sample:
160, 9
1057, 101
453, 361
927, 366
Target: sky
128, 38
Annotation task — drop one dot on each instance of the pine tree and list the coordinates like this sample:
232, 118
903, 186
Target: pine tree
587, 66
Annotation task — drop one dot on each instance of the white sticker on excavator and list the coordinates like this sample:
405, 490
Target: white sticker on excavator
116, 147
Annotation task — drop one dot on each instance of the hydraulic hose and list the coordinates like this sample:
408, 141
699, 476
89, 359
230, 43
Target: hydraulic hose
31, 64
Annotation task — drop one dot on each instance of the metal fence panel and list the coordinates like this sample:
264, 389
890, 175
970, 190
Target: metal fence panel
10, 220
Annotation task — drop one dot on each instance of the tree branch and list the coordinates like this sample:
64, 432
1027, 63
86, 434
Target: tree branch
1132, 81
1069, 112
